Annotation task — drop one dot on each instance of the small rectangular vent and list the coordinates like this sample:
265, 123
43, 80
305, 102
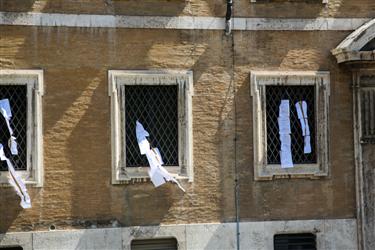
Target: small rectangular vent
303, 241
154, 244
11, 248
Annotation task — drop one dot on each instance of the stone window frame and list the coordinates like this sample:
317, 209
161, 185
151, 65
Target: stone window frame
34, 81
258, 81
184, 79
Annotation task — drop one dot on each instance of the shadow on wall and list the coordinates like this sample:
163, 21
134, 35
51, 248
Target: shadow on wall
77, 154
304, 9
293, 198
9, 210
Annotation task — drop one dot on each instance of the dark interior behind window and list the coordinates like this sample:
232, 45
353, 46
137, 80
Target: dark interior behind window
274, 95
156, 107
17, 95
302, 241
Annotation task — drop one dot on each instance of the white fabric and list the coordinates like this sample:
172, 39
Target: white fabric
5, 107
284, 132
284, 125
158, 174
12, 144
301, 108
16, 181
14, 178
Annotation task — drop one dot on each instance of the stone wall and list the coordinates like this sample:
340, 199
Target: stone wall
330, 234
263, 8
77, 159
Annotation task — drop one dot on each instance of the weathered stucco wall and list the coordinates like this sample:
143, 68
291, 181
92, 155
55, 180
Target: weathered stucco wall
279, 8
77, 189
333, 197
77, 126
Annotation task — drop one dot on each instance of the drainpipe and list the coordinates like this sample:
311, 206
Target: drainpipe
228, 16
228, 30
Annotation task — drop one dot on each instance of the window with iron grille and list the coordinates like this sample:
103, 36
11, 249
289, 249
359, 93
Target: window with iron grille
161, 101
302, 241
156, 108
268, 89
17, 96
24, 90
367, 97
274, 95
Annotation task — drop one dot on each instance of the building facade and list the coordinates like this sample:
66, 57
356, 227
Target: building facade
206, 80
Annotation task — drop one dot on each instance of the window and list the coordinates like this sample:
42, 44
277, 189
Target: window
268, 89
161, 101
367, 96
154, 244
301, 241
274, 95
24, 90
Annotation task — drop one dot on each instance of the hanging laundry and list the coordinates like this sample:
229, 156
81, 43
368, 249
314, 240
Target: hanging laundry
7, 114
14, 178
158, 174
284, 133
301, 108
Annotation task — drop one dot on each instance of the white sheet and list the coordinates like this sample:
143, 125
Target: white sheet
284, 131
301, 108
158, 174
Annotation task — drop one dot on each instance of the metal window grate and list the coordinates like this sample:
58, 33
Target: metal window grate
274, 95
154, 244
368, 115
303, 241
156, 107
17, 95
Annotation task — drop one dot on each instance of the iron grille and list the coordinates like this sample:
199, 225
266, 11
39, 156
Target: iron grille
368, 115
304, 241
274, 95
154, 244
156, 107
17, 95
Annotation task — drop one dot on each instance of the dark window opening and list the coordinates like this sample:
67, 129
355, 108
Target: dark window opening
368, 115
303, 241
17, 95
11, 248
274, 95
154, 244
370, 46
156, 107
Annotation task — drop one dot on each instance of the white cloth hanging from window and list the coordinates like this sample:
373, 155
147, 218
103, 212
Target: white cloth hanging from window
14, 178
7, 114
284, 133
158, 174
301, 108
